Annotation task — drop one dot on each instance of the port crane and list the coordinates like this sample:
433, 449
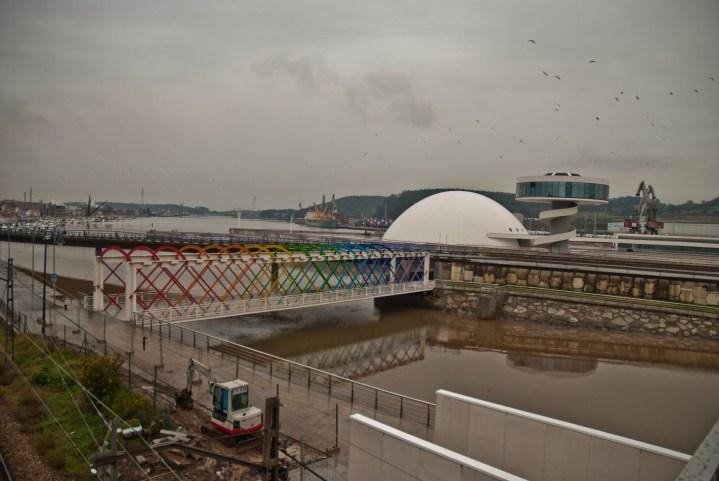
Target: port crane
644, 215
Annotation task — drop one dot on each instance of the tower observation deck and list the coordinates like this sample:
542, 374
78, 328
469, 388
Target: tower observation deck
565, 191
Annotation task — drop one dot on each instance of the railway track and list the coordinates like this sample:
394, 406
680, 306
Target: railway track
5, 474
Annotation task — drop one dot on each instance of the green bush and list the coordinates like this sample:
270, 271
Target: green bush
50, 376
134, 409
101, 375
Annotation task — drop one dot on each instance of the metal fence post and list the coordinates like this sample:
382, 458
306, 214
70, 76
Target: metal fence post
337, 426
154, 389
129, 369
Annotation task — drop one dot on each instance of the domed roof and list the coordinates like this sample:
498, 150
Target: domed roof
456, 217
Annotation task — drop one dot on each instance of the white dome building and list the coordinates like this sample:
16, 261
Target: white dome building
458, 218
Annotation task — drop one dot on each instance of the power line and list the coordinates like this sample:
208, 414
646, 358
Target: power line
49, 411
99, 402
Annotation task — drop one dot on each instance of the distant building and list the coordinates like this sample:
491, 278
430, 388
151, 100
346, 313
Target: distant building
564, 191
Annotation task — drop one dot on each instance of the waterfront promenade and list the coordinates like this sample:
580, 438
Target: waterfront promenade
312, 401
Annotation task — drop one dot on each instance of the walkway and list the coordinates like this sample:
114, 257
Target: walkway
311, 398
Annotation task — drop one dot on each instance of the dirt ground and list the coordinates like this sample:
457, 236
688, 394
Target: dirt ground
24, 462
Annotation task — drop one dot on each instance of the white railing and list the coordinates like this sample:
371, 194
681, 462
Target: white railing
238, 307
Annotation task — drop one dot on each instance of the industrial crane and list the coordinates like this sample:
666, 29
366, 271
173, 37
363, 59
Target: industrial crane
644, 215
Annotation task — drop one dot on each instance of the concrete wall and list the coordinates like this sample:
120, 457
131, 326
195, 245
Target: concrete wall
545, 449
381, 453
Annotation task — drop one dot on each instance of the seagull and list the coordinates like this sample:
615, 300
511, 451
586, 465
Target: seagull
545, 73
501, 156
695, 91
597, 118
616, 98
521, 141
477, 120
636, 97
711, 78
531, 41
592, 61
556, 109
652, 124
621, 92
671, 93
558, 77
365, 154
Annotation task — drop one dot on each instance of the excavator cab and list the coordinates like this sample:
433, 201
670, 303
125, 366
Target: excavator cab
231, 410
230, 400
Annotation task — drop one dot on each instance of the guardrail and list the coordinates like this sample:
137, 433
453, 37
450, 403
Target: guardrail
211, 310
295, 373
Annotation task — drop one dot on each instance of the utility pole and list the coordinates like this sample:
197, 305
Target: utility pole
44, 284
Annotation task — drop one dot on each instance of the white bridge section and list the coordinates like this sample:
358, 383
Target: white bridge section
214, 310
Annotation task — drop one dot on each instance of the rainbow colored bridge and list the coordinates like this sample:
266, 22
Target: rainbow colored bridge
171, 284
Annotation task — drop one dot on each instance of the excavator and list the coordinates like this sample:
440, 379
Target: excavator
232, 413
644, 215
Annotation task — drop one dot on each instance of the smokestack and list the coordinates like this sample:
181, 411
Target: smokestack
30, 194
24, 196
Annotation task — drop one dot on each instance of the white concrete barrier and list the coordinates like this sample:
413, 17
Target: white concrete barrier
382, 453
546, 449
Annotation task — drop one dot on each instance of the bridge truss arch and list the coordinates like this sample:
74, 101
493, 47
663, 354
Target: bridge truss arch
200, 282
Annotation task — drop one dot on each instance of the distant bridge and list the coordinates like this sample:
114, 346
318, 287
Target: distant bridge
192, 282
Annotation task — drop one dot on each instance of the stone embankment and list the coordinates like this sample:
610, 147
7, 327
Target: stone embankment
636, 286
484, 301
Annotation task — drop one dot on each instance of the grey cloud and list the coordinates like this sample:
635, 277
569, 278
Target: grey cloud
393, 92
309, 73
396, 91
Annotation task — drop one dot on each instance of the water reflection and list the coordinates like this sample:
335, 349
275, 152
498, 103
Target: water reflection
553, 365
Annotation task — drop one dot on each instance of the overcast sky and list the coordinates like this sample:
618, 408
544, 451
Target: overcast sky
212, 103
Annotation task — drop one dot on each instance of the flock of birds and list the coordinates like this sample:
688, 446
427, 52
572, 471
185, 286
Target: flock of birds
619, 97
616, 98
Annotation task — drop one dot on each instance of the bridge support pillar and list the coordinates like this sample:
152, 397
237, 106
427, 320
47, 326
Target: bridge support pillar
98, 296
426, 268
392, 269
130, 286
274, 276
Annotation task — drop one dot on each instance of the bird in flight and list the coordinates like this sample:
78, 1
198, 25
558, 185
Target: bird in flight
531, 41
616, 98
597, 118
671, 93
711, 78
695, 91
636, 97
558, 77
592, 61
652, 124
521, 141
545, 73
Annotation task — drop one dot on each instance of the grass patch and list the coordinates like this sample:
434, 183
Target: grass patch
61, 394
